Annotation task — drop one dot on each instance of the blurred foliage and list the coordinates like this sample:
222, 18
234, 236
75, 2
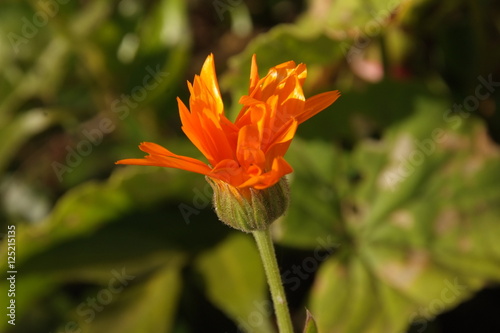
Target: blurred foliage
394, 219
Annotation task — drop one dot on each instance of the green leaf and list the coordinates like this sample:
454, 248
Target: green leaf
319, 184
147, 307
351, 15
132, 220
114, 207
359, 113
310, 326
420, 224
235, 282
314, 211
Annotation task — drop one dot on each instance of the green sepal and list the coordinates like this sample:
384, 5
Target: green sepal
249, 209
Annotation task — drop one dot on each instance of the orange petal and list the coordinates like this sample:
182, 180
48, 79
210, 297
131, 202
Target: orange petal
317, 103
160, 156
280, 168
281, 139
291, 98
270, 83
244, 117
217, 135
209, 79
301, 71
211, 133
248, 150
192, 128
229, 171
254, 74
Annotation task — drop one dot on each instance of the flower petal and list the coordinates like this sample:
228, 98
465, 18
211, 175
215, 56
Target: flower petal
317, 103
281, 140
280, 167
291, 101
209, 80
229, 171
248, 150
191, 126
213, 134
254, 74
160, 156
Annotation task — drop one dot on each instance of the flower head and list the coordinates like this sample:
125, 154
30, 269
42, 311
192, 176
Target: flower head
249, 153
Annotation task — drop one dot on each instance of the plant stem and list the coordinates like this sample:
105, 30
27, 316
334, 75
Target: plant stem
266, 250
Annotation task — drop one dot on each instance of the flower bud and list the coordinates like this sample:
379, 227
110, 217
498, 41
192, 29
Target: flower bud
249, 209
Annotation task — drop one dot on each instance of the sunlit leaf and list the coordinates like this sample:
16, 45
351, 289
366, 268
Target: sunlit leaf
370, 16
421, 222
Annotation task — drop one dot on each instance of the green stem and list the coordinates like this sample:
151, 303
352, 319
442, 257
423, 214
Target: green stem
266, 250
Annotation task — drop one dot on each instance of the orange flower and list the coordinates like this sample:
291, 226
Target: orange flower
249, 152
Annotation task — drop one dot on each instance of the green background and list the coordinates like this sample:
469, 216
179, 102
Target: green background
394, 222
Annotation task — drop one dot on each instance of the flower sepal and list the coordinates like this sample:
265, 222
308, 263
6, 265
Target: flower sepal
248, 209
